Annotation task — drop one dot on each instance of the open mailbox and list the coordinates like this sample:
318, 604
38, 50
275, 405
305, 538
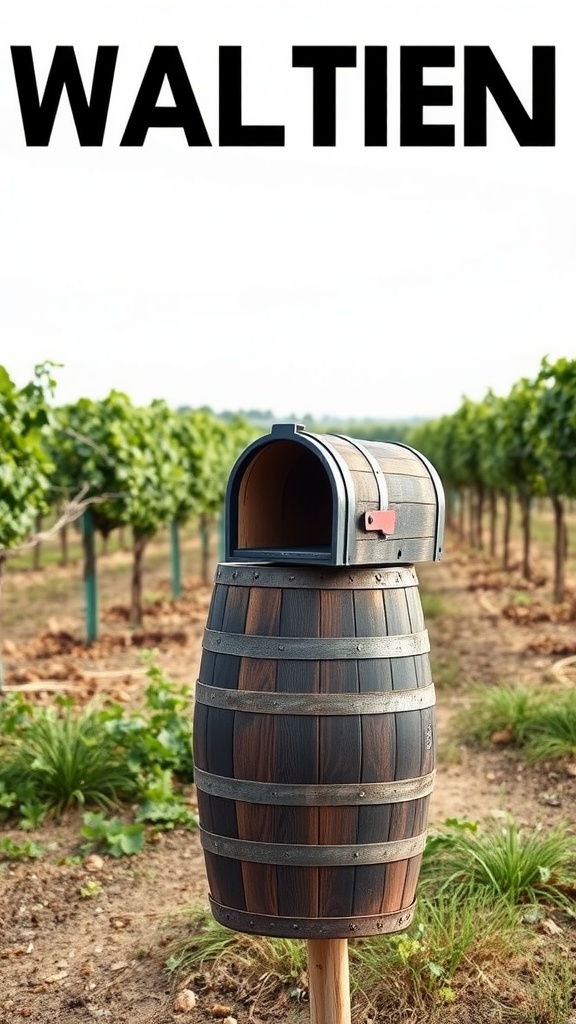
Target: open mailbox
326, 499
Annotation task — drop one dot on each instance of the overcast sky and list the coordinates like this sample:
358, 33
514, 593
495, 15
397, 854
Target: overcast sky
343, 281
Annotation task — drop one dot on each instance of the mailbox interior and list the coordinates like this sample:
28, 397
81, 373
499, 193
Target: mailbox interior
281, 506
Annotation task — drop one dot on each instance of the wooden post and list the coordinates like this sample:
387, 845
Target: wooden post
329, 981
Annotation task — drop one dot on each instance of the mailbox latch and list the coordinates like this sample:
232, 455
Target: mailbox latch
383, 519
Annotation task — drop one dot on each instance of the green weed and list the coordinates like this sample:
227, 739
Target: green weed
32, 813
416, 969
162, 806
113, 836
15, 711
8, 800
92, 888
160, 736
26, 850
553, 991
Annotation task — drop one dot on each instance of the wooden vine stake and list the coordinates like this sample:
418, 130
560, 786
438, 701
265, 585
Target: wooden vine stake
329, 981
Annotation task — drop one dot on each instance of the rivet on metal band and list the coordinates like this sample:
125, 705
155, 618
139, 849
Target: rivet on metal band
312, 856
302, 795
311, 648
311, 927
266, 702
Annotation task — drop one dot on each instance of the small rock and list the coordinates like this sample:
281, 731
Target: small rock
185, 1001
502, 736
230, 1020
218, 1010
549, 927
9, 647
53, 978
93, 862
120, 965
551, 799
571, 770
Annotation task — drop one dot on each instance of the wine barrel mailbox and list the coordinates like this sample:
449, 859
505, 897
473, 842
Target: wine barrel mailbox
314, 736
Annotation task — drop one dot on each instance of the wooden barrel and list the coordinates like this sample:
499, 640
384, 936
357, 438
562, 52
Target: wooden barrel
314, 747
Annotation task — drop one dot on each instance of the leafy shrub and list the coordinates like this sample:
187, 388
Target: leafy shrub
159, 736
53, 758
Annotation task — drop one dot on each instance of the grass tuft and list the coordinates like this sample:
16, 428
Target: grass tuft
497, 709
63, 756
552, 732
253, 966
542, 724
389, 976
504, 862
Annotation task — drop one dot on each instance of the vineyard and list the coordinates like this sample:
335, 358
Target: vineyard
102, 885
119, 467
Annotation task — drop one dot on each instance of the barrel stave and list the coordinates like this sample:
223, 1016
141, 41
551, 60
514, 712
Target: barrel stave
340, 755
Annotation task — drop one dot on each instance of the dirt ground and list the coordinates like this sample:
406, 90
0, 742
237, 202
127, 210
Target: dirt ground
71, 958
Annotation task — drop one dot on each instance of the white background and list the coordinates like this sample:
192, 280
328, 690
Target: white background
341, 281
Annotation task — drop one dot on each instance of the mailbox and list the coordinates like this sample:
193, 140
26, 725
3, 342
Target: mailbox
327, 499
314, 732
